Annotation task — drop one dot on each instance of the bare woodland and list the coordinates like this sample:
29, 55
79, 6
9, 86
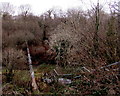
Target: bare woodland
73, 52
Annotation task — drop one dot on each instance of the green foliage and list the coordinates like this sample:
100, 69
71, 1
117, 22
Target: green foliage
44, 68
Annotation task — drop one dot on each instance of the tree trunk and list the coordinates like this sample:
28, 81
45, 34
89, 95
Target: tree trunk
119, 29
119, 33
95, 38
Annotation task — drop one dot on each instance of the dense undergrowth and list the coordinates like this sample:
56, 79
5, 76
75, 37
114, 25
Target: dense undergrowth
78, 43
94, 84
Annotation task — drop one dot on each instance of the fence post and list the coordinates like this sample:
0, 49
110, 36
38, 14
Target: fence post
34, 85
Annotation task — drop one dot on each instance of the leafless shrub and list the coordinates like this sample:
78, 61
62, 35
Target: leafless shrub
13, 59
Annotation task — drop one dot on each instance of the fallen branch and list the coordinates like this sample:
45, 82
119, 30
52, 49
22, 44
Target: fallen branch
63, 75
116, 63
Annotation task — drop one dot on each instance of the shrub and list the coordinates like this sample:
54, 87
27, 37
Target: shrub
13, 58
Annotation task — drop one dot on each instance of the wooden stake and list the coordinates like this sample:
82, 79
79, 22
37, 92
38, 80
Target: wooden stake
34, 85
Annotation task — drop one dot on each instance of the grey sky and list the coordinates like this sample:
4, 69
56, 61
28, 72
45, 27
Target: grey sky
40, 6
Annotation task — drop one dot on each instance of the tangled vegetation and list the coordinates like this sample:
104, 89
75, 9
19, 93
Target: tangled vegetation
78, 43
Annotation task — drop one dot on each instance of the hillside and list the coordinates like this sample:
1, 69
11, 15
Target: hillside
73, 52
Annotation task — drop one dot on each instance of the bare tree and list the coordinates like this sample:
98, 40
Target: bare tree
25, 9
0, 50
7, 8
116, 9
97, 20
119, 25
0, 34
13, 59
